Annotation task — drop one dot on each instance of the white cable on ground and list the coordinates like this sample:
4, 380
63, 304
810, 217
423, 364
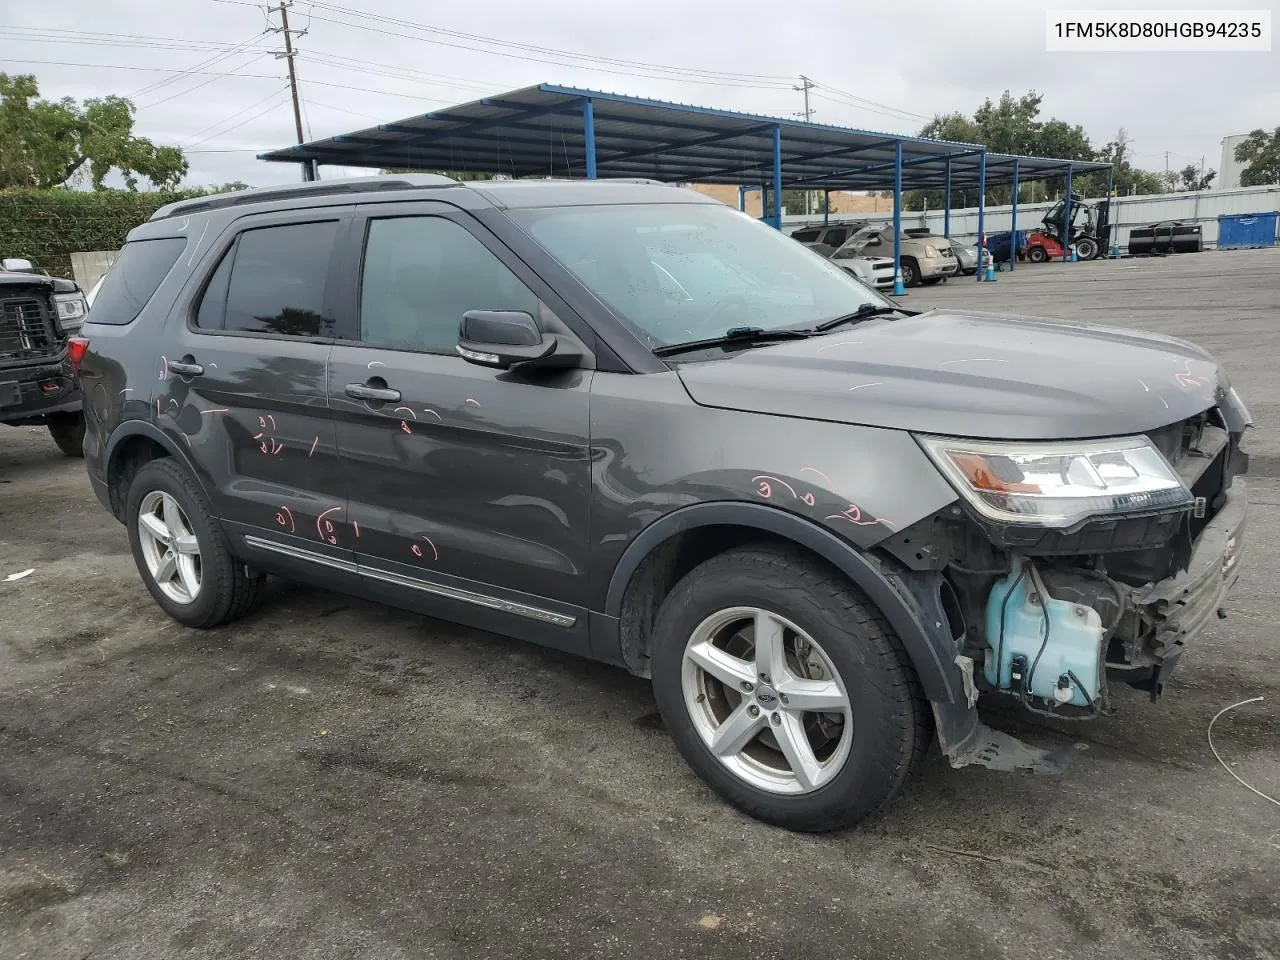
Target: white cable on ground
1247, 786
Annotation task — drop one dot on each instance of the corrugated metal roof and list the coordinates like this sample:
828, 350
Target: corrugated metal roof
538, 132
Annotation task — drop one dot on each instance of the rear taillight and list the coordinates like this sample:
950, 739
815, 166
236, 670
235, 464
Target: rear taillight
77, 347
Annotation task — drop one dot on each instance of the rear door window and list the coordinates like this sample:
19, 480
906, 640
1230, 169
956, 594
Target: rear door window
272, 281
134, 278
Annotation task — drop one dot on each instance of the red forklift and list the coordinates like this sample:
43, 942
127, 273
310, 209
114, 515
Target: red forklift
1090, 231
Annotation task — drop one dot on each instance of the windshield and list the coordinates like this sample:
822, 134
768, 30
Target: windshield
681, 272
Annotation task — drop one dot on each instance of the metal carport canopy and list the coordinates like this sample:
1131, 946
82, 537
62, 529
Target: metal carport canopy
549, 130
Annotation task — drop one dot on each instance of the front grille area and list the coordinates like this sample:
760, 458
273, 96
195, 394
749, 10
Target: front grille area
24, 331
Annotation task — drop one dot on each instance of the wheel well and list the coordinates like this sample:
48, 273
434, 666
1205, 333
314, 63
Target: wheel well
126, 460
664, 567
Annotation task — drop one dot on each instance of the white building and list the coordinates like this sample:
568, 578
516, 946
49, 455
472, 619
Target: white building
1228, 177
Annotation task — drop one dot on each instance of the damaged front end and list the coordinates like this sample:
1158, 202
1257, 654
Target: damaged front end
1069, 567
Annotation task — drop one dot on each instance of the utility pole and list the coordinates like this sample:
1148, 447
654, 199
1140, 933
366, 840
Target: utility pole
289, 55
805, 86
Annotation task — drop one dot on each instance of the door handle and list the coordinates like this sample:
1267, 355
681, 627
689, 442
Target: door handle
363, 391
184, 369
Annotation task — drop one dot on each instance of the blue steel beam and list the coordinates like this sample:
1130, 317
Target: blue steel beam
1066, 217
897, 220
946, 204
1013, 221
777, 175
982, 211
589, 136
689, 144
877, 167
745, 166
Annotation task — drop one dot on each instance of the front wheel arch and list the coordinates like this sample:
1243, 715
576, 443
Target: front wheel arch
925, 634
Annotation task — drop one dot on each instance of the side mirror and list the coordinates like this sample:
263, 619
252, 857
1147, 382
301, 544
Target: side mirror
506, 339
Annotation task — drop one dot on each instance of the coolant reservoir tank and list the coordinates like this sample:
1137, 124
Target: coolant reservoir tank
1074, 643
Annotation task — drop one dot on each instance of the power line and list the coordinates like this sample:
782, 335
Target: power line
218, 123
202, 83
202, 65
776, 79
586, 62
247, 76
224, 132
871, 105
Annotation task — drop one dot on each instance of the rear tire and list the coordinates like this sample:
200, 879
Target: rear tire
832, 640
67, 430
1037, 255
191, 571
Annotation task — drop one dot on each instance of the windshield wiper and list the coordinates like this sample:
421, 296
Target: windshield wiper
864, 312
737, 335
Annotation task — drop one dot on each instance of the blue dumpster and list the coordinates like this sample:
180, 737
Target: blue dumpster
1239, 230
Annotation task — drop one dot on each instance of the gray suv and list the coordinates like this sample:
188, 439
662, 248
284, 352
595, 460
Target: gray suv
623, 420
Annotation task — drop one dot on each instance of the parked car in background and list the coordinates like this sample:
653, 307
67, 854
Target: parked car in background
924, 259
625, 421
824, 240
876, 272
966, 255
37, 314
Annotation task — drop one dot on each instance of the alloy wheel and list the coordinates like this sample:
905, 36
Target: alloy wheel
169, 547
767, 701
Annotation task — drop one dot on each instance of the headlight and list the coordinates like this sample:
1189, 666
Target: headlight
1058, 484
930, 252
72, 308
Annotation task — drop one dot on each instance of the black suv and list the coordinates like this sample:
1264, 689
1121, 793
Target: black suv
37, 314
621, 419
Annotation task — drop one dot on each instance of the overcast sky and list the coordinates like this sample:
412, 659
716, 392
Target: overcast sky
909, 59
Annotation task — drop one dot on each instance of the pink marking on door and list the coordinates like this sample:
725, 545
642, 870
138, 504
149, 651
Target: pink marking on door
326, 536
313, 447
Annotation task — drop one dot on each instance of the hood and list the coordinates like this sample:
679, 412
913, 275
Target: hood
969, 374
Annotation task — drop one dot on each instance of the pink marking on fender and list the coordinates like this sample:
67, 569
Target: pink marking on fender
1144, 386
313, 447
273, 422
874, 383
830, 483
808, 499
790, 489
286, 514
469, 400
215, 410
356, 526
854, 515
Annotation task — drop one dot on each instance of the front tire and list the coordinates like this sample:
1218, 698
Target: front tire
181, 551
785, 690
1037, 255
910, 272
67, 430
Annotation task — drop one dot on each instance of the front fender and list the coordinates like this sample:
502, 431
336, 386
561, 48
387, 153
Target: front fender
913, 608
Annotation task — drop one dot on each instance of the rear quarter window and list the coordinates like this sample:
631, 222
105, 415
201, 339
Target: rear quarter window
134, 278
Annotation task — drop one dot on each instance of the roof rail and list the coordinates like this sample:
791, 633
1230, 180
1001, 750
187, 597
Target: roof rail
319, 188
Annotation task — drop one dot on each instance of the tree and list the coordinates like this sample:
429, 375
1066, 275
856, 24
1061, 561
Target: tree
1126, 178
45, 143
1193, 179
1260, 151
